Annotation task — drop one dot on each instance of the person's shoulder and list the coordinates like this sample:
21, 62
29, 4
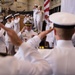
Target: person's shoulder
6, 24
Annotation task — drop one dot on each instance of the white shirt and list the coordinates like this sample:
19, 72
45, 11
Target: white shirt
17, 25
8, 25
50, 36
61, 58
39, 15
28, 34
33, 64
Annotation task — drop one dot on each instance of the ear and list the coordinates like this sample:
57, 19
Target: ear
54, 31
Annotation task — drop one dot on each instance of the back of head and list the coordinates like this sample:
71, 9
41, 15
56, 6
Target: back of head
64, 24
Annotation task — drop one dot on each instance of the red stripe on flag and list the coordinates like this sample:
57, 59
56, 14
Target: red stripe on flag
47, 9
46, 3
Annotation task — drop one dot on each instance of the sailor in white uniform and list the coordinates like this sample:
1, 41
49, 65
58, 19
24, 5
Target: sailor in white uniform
33, 64
35, 9
27, 32
9, 45
62, 57
49, 37
16, 23
39, 18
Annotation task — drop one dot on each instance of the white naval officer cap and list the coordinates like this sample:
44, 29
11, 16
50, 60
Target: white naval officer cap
28, 23
17, 14
8, 16
63, 20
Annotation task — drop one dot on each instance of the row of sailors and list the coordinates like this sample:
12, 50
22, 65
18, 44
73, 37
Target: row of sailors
38, 16
28, 18
13, 23
50, 35
26, 33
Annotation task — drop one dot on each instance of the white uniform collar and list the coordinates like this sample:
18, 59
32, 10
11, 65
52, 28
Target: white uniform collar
64, 43
28, 31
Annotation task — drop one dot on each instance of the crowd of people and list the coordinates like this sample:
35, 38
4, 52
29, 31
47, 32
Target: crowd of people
33, 25
27, 60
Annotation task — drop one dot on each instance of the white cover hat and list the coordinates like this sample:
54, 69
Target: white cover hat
8, 16
16, 14
63, 20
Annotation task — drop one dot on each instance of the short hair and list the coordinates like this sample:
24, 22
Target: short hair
65, 34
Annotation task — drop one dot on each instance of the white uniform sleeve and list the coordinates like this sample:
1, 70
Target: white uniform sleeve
34, 42
33, 64
38, 66
12, 66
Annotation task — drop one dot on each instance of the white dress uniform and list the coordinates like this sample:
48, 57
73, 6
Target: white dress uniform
50, 37
68, 6
33, 64
34, 17
62, 57
17, 25
39, 20
8, 42
26, 35
2, 42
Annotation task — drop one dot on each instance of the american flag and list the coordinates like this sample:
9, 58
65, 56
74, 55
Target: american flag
46, 7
